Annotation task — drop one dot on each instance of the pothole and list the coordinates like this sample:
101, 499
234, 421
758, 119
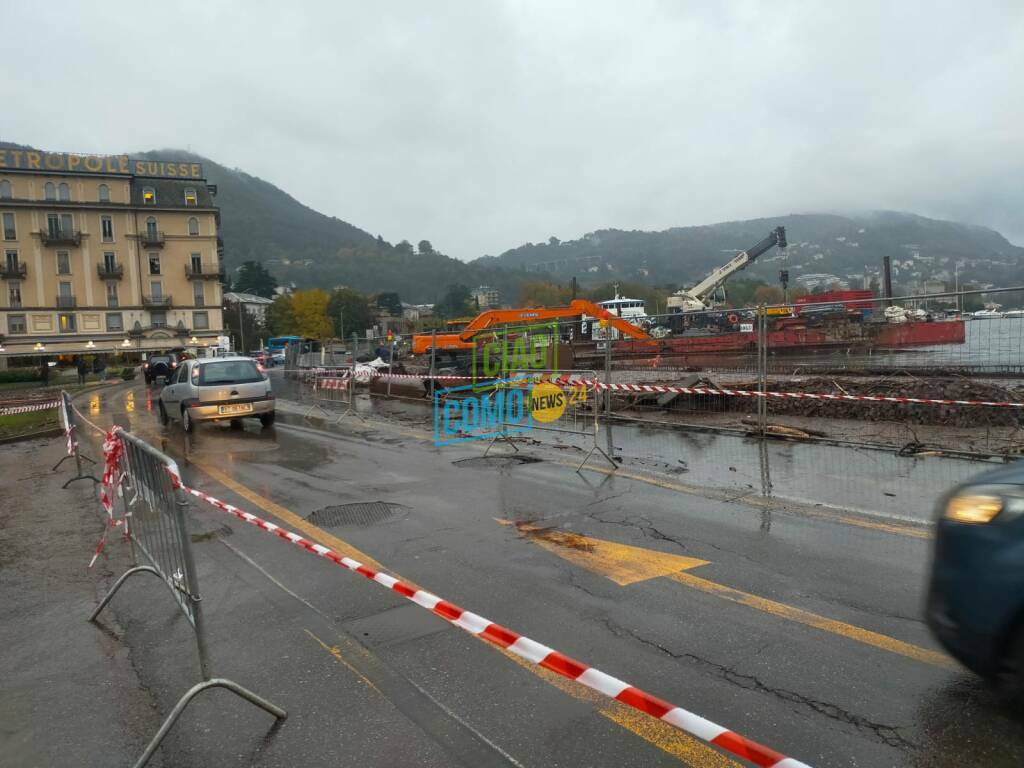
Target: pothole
358, 513
495, 462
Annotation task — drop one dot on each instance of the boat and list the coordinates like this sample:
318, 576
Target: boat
987, 314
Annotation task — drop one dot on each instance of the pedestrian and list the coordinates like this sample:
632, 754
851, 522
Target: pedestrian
99, 367
44, 371
83, 369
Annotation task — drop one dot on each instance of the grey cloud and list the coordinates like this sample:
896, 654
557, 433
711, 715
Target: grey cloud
480, 126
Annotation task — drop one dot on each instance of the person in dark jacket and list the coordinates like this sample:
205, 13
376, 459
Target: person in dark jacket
99, 367
83, 370
44, 371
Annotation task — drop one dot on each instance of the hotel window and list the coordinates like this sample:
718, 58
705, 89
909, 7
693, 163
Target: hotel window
104, 193
14, 295
66, 322
190, 198
158, 319
198, 294
200, 321
148, 196
151, 228
50, 191
64, 192
64, 295
11, 260
109, 261
193, 226
63, 263
5, 189
154, 263
10, 233
112, 294
114, 322
16, 324
156, 289
197, 264
107, 228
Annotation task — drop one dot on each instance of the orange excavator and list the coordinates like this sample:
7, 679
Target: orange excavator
577, 308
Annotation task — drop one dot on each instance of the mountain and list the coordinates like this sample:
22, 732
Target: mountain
264, 223
846, 246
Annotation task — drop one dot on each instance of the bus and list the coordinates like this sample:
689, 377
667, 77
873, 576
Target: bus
278, 343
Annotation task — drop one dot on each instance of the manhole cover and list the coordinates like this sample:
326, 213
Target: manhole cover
359, 513
492, 462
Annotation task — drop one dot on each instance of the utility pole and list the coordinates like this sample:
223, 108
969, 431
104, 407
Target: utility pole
241, 329
341, 324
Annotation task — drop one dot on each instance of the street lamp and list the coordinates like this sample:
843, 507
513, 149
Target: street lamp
89, 344
126, 343
39, 347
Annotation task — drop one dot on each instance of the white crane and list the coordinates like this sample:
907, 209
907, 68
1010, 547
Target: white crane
696, 299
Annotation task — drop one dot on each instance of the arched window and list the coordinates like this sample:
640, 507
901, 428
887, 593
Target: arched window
64, 192
104, 193
190, 197
148, 196
193, 226
151, 226
5, 189
50, 191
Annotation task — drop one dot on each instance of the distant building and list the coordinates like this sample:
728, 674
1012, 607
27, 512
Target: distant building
253, 304
487, 297
106, 254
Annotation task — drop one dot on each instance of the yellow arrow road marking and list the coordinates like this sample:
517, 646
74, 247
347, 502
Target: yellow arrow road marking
621, 563
626, 565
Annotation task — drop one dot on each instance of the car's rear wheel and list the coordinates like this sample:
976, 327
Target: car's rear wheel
266, 419
187, 422
164, 419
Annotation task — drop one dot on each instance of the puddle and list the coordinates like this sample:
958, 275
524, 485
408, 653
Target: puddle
495, 462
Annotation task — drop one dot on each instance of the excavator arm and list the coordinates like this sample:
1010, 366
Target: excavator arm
577, 308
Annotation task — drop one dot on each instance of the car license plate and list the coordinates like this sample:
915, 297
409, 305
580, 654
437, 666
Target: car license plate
226, 410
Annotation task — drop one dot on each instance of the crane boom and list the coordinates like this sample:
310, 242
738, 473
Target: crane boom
695, 299
577, 308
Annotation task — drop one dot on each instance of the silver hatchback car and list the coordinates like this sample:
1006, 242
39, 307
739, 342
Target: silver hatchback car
216, 389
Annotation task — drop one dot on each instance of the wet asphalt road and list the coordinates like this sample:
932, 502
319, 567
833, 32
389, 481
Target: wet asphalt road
801, 631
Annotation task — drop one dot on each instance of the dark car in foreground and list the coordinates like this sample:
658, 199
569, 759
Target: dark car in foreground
159, 366
976, 596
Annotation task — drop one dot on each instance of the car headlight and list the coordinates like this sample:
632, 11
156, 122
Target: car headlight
983, 504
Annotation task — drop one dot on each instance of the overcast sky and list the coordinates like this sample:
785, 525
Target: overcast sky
483, 125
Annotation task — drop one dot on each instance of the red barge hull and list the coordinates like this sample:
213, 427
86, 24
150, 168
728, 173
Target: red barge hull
851, 336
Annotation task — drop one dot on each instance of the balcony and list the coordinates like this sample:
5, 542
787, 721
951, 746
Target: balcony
203, 272
110, 271
61, 237
156, 302
17, 271
66, 302
152, 239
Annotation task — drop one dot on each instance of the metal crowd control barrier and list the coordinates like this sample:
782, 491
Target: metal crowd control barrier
581, 414
156, 528
332, 387
67, 420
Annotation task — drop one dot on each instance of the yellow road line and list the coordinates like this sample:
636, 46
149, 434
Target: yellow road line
335, 651
287, 516
809, 619
668, 739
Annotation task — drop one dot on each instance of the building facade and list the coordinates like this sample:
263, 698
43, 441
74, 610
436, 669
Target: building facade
106, 254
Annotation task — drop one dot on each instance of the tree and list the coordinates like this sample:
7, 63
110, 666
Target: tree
254, 278
243, 325
404, 248
350, 312
768, 294
554, 241
391, 302
538, 293
281, 317
457, 302
310, 310
425, 248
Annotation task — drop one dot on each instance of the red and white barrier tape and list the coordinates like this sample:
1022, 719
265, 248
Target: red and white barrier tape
531, 650
726, 392
28, 408
110, 486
